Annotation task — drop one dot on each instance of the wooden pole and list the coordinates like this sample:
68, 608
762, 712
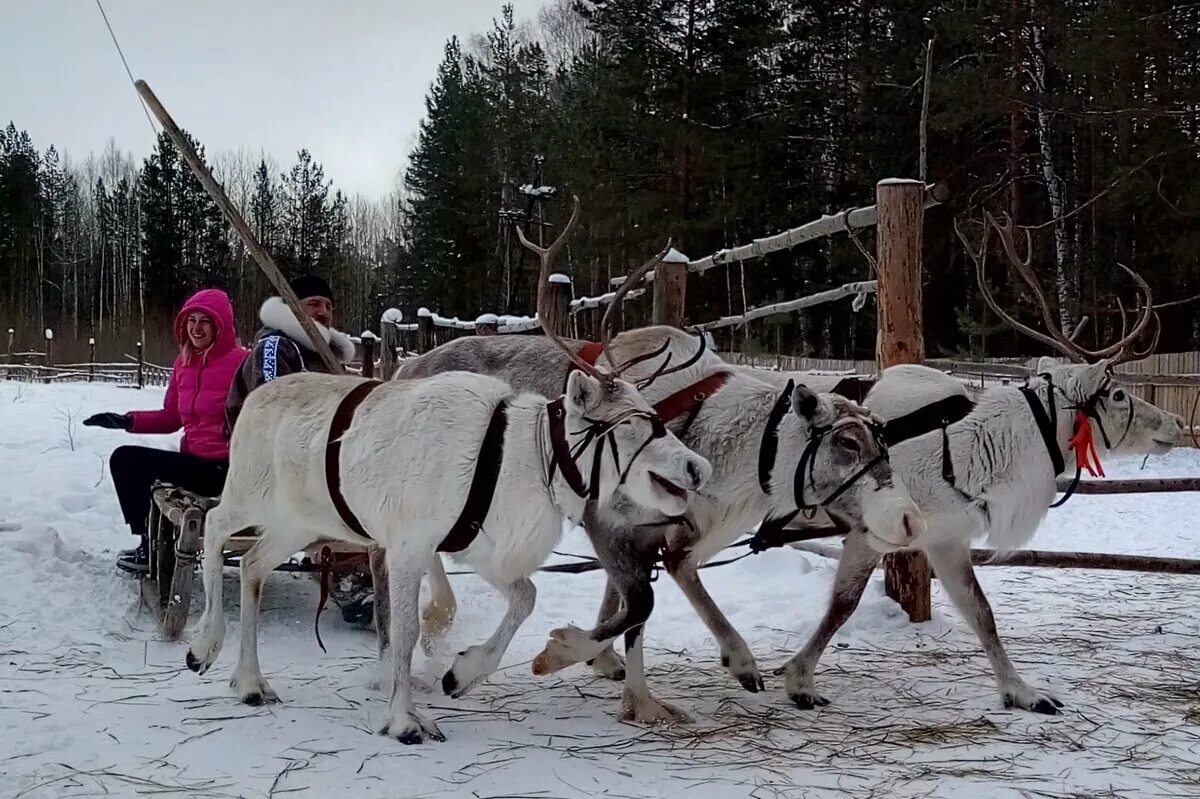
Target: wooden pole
670, 289
487, 325
368, 354
424, 330
141, 372
900, 228
49, 358
264, 260
8, 373
91, 359
560, 305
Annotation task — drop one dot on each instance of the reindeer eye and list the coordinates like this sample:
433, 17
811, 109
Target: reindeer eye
850, 444
1118, 395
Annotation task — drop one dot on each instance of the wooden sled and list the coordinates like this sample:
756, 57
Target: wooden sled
176, 541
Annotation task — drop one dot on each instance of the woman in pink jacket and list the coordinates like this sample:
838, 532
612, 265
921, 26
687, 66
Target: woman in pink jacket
195, 401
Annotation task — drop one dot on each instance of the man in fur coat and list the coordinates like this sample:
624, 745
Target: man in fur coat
281, 348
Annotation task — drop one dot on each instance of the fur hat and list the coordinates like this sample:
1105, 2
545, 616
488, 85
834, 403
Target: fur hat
311, 286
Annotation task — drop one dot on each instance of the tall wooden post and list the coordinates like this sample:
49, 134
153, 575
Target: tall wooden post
487, 324
49, 347
670, 289
141, 370
560, 305
389, 340
424, 330
8, 373
899, 233
368, 353
91, 359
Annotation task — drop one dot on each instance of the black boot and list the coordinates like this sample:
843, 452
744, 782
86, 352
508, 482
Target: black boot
136, 560
355, 595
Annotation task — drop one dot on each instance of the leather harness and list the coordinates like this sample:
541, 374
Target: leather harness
479, 496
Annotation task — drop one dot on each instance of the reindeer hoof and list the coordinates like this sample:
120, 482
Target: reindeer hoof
808, 701
1035, 702
413, 731
752, 683
608, 664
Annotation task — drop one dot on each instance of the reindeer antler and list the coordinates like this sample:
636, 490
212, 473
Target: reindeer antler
1118, 352
548, 255
627, 286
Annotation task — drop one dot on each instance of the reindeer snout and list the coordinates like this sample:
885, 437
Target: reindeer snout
698, 472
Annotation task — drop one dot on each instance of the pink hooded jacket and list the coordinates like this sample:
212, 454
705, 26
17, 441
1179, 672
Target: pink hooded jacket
196, 394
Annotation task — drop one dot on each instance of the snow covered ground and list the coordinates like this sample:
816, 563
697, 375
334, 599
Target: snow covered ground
92, 704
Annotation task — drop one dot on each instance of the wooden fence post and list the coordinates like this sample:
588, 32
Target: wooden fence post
368, 353
49, 359
487, 324
670, 289
899, 233
141, 372
560, 305
8, 373
389, 339
91, 359
424, 330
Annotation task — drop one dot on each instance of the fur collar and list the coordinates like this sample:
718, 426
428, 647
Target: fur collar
277, 315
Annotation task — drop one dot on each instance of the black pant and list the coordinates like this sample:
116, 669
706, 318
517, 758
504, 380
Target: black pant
134, 470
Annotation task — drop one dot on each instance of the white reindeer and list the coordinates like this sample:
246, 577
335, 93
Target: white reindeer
405, 472
1005, 457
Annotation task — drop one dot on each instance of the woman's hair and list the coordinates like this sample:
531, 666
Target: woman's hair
190, 351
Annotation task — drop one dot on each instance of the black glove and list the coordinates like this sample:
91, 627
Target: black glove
112, 421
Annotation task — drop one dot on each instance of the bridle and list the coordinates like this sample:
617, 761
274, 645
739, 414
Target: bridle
1086, 412
565, 455
805, 473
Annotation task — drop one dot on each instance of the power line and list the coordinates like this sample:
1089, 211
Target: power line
132, 82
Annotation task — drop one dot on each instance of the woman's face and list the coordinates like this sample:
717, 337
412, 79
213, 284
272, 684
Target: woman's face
200, 330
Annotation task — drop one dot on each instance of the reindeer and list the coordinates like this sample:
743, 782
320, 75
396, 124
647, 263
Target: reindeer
773, 450
457, 462
993, 472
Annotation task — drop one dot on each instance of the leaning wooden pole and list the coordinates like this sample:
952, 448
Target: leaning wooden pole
264, 260
899, 233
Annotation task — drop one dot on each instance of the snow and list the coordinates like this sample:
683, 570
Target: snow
94, 703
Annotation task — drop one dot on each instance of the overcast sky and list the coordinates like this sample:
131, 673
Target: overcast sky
344, 78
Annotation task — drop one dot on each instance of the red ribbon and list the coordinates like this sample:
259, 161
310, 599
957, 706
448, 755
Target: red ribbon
1083, 443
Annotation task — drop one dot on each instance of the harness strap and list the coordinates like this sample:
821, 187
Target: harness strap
688, 400
342, 417
926, 419
770, 440
1046, 427
560, 448
483, 485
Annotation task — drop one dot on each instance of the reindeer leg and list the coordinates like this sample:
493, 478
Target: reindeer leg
377, 558
475, 663
269, 551
405, 568
637, 703
628, 564
951, 562
735, 654
608, 664
439, 613
857, 562
219, 526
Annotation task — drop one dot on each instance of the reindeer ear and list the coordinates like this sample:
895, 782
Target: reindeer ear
805, 402
1045, 364
583, 391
